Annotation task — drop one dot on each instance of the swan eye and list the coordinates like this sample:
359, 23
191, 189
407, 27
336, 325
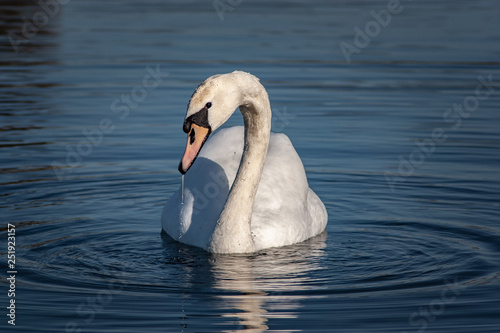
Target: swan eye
208, 105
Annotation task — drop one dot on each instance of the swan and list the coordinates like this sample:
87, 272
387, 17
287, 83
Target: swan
248, 189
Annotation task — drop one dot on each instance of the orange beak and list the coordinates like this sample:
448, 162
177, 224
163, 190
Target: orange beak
197, 135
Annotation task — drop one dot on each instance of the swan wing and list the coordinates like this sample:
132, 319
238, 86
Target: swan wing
286, 210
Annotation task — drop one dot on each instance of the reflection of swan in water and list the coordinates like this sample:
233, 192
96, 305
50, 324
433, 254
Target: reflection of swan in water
252, 283
235, 274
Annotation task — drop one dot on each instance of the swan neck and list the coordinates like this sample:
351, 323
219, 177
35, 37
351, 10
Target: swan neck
233, 230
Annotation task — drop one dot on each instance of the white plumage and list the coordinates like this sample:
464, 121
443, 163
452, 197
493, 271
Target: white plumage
283, 211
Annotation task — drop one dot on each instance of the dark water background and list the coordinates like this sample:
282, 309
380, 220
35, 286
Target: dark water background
404, 154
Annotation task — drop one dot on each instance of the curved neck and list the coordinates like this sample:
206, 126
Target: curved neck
233, 230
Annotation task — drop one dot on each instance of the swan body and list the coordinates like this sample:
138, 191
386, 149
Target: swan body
248, 189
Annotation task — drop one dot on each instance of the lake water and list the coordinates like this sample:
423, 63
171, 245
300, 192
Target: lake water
397, 126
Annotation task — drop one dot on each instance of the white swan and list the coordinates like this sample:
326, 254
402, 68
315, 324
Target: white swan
248, 188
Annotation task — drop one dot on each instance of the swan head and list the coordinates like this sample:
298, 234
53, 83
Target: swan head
210, 106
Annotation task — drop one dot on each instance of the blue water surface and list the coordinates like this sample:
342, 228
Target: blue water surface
394, 111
